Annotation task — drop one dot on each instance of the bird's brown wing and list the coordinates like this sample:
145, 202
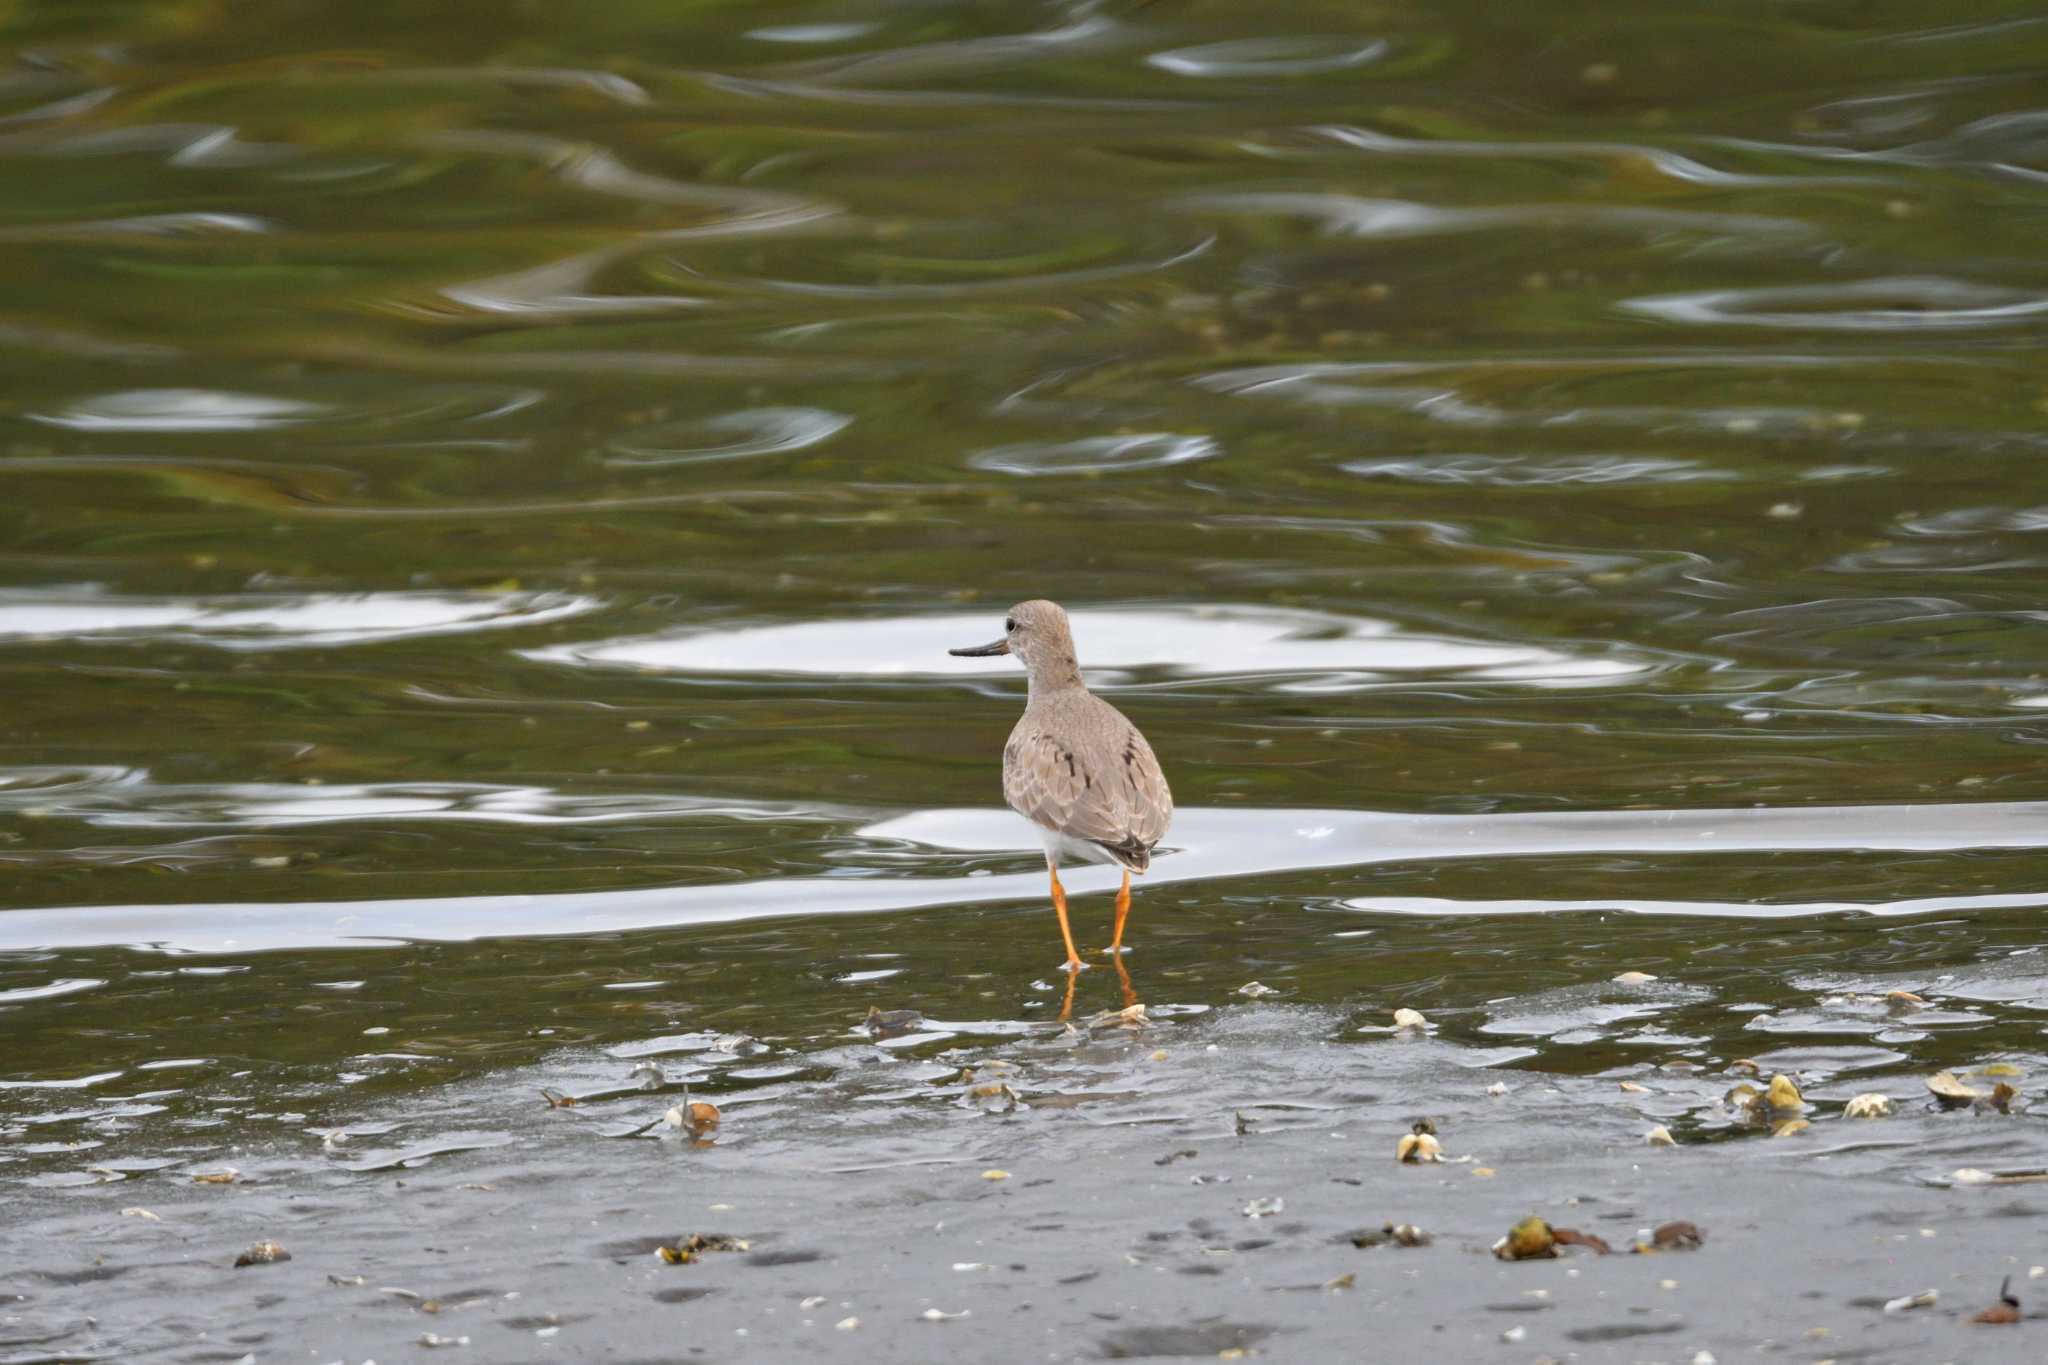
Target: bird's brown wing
1104, 785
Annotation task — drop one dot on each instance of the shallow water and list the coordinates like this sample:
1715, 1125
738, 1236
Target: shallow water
483, 507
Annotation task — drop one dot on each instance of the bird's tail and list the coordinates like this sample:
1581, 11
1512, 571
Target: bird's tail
1134, 855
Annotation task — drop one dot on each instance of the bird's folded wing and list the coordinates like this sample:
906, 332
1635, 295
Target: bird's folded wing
1047, 783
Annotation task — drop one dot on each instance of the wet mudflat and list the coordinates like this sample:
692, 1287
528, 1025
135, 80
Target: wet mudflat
1215, 1180
484, 504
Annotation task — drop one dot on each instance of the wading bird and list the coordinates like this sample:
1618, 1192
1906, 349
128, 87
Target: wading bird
1075, 767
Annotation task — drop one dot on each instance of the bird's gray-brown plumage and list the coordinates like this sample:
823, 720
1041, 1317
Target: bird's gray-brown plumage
1074, 765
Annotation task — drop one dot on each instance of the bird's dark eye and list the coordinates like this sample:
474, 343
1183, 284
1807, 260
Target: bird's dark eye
1009, 624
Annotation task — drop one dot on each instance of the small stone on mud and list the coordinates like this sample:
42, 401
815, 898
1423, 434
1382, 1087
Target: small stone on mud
934, 1315
1572, 1237
1130, 1016
1264, 1208
1677, 1235
1907, 1302
1528, 1240
1999, 1101
847, 1324
1418, 1147
1407, 1018
1633, 979
1634, 1088
694, 1117
263, 1253
1784, 1095
1870, 1105
1253, 990
1660, 1136
2005, 1311
995, 1175
882, 1023
997, 1098
686, 1250
1952, 1093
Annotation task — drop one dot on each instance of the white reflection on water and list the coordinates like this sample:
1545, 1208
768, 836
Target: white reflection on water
1207, 843
1199, 642
262, 621
1888, 305
179, 410
1276, 56
123, 798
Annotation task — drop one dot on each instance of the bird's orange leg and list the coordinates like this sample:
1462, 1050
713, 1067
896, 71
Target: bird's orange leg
1059, 904
1123, 912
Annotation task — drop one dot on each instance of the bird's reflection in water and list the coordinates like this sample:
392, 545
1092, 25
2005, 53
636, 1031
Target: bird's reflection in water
1123, 981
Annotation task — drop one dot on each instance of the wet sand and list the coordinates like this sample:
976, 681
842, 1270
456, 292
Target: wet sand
1121, 1231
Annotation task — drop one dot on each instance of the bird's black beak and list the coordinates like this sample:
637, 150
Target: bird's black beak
1001, 646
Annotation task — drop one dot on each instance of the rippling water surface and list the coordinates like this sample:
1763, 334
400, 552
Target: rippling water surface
483, 504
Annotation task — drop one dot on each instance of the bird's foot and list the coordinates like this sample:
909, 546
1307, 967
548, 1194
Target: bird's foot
1075, 965
1114, 950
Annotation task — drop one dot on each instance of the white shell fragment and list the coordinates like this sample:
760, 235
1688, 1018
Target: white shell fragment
1925, 1299
1944, 1086
1417, 1147
1407, 1018
1867, 1106
1634, 979
1252, 990
1264, 1208
1660, 1136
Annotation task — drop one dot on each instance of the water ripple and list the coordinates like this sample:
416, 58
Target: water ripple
1529, 471
174, 225
1294, 56
1913, 304
1207, 844
113, 798
1350, 216
180, 410
1213, 642
759, 431
1096, 454
268, 621
1660, 161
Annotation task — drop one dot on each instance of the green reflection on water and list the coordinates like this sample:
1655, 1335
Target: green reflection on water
342, 300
